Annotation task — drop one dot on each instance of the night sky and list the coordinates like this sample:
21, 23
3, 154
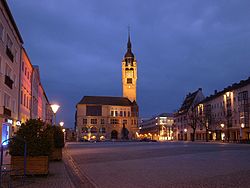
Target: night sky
179, 46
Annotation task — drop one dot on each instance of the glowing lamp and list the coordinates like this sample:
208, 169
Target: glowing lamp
242, 125
61, 123
54, 108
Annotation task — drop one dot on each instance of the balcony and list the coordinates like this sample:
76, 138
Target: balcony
8, 81
6, 111
9, 54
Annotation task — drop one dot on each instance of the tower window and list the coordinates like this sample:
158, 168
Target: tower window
129, 80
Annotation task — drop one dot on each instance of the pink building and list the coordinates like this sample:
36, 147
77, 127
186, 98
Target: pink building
25, 88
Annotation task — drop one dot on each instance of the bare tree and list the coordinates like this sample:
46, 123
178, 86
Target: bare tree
193, 119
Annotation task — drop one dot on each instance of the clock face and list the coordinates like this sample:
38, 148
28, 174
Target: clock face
129, 73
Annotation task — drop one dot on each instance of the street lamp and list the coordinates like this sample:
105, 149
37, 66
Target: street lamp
241, 127
61, 123
54, 108
222, 134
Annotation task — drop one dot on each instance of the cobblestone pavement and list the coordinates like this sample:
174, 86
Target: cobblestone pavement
172, 164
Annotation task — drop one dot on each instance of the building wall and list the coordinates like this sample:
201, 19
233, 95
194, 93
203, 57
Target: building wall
227, 114
182, 129
157, 128
35, 86
25, 91
10, 46
111, 119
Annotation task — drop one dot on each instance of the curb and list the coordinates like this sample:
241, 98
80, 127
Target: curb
76, 176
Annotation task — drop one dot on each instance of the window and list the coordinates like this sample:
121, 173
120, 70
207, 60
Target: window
21, 97
102, 121
25, 71
7, 70
124, 122
93, 130
22, 66
85, 121
128, 113
114, 121
124, 113
116, 113
6, 100
112, 113
94, 110
93, 121
24, 100
102, 130
121, 113
1, 31
9, 42
129, 80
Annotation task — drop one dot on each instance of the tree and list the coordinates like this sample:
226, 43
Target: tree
193, 119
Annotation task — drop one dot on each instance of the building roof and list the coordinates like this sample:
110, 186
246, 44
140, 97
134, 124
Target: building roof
234, 86
106, 100
188, 102
12, 20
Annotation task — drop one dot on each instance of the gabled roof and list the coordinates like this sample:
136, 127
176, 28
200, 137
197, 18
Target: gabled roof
234, 86
105, 100
188, 102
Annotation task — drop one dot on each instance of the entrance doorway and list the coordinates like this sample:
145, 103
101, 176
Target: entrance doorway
114, 134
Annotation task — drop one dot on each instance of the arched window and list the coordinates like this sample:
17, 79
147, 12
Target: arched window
93, 130
102, 130
84, 130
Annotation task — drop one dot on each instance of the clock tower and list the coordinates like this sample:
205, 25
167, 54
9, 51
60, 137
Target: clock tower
129, 73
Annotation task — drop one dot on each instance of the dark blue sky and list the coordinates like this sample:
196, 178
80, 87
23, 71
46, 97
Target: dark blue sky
179, 45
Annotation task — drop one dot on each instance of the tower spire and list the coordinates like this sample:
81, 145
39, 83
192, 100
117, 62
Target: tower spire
129, 43
129, 53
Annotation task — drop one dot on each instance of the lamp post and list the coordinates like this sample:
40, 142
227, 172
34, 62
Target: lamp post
222, 135
54, 108
61, 123
241, 127
185, 135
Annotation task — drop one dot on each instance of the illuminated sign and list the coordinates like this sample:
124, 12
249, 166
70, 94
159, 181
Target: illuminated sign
10, 121
18, 123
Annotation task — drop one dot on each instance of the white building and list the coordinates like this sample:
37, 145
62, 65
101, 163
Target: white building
10, 61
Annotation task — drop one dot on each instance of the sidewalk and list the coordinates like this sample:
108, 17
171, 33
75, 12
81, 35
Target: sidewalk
58, 177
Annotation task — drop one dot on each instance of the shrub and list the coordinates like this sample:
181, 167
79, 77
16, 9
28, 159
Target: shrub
37, 136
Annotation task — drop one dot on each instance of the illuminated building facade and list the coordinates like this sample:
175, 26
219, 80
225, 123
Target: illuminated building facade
157, 128
101, 118
182, 118
226, 113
